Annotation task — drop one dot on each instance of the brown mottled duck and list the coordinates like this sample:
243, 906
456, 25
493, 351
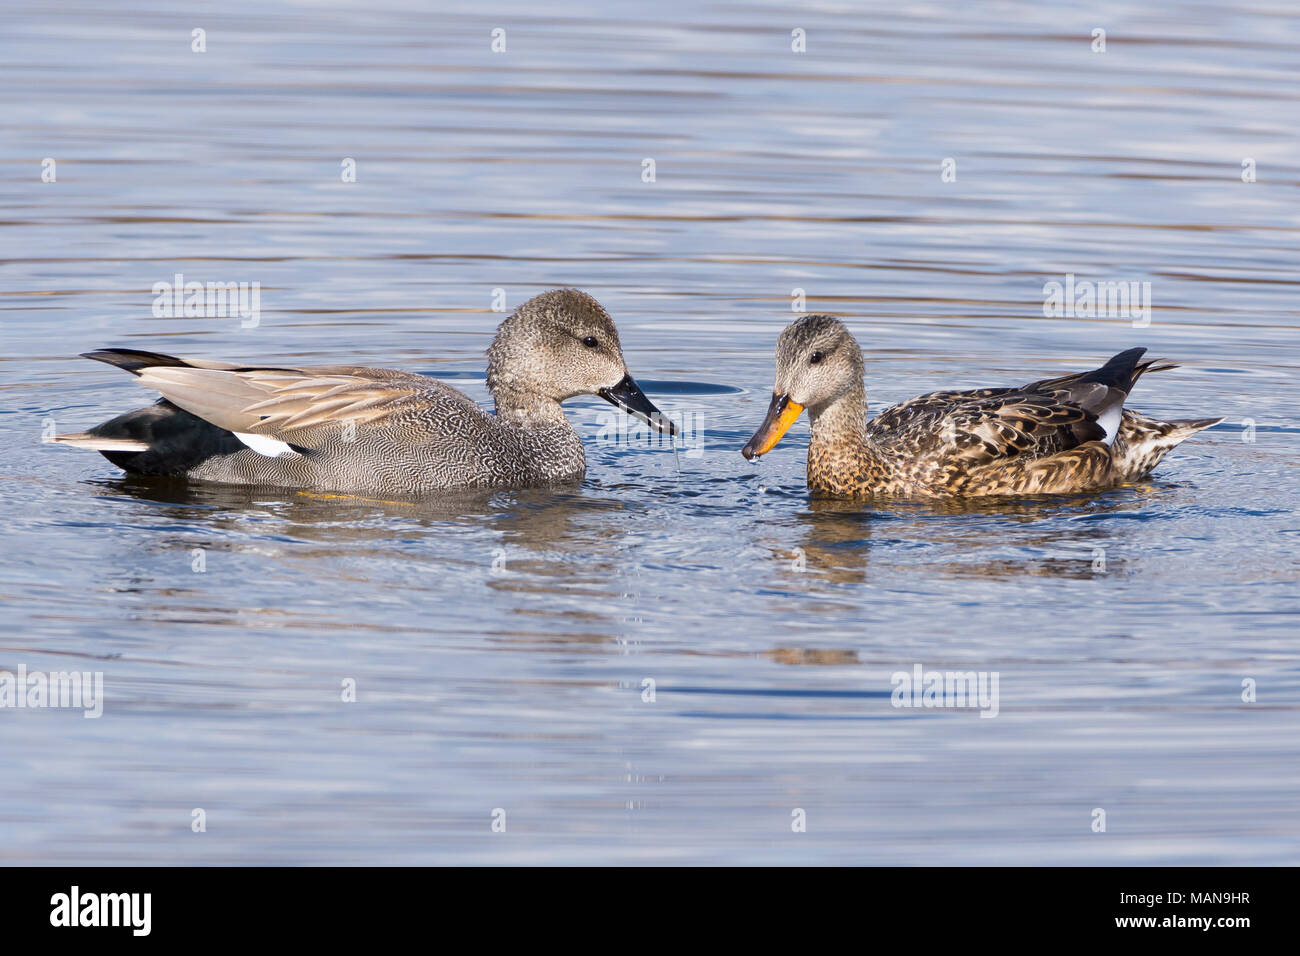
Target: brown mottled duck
1063, 435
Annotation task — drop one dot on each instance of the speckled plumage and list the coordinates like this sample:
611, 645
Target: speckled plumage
371, 430
1048, 437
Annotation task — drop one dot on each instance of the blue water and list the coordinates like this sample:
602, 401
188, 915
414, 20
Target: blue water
500, 644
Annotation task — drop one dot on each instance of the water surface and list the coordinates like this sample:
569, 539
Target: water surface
500, 644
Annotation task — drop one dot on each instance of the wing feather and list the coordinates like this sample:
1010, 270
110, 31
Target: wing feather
283, 403
988, 425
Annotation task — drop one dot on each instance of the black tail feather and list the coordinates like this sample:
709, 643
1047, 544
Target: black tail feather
1120, 372
1151, 365
133, 360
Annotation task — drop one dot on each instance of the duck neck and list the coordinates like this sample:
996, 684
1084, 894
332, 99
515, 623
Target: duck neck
528, 409
842, 422
841, 456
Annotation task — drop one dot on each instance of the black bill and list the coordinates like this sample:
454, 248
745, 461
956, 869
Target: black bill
628, 396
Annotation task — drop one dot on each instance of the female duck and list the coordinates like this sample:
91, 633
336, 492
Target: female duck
1059, 435
344, 428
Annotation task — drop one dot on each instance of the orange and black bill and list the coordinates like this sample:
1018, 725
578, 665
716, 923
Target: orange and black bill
628, 396
780, 416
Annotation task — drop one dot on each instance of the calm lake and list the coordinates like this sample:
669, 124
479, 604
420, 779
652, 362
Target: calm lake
683, 659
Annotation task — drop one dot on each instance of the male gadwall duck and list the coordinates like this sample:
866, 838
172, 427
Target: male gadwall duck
1059, 435
342, 428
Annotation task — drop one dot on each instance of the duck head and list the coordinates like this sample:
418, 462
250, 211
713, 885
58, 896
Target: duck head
817, 363
561, 344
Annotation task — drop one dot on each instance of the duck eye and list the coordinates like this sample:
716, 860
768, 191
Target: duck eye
590, 342
815, 358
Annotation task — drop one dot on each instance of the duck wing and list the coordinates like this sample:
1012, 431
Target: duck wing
276, 409
995, 424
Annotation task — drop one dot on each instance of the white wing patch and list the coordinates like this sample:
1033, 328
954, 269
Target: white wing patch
270, 447
1109, 420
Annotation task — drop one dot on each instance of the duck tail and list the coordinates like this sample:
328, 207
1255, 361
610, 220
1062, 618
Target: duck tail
159, 439
1144, 442
1184, 428
100, 442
